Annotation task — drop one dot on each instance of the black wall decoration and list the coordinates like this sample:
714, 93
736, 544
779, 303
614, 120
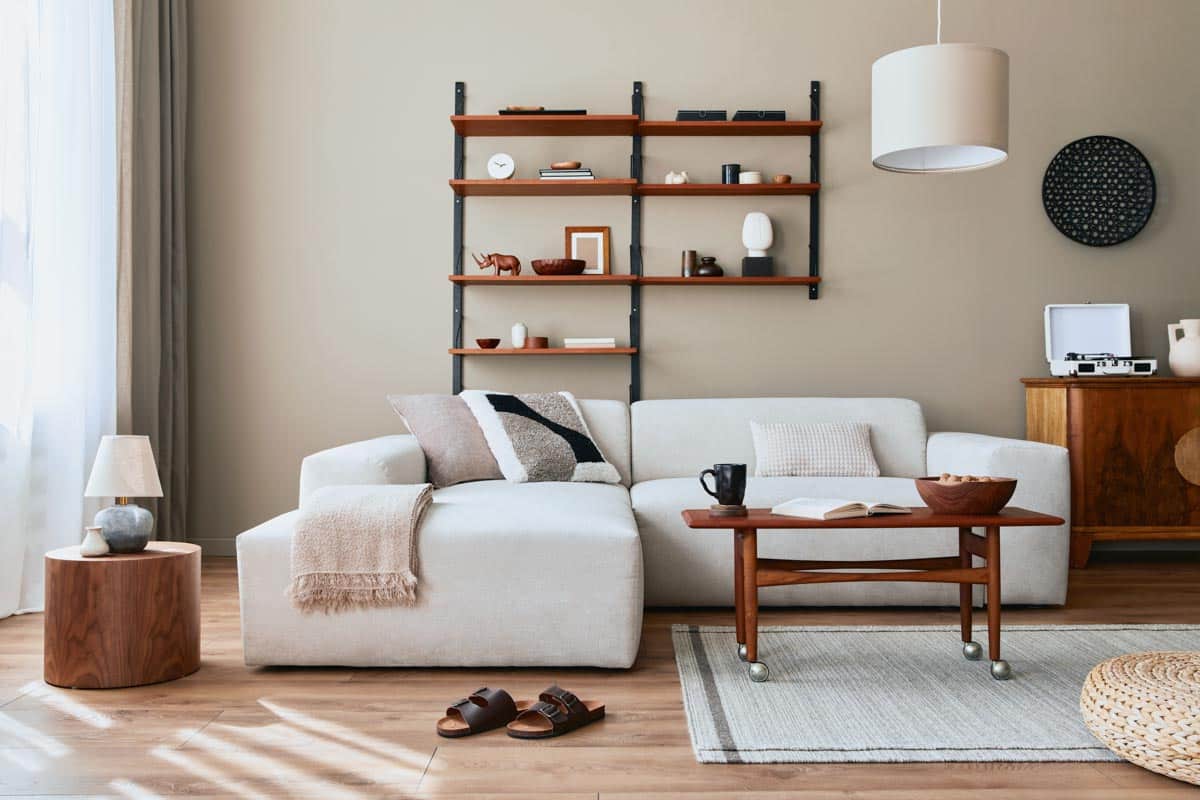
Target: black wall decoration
1099, 191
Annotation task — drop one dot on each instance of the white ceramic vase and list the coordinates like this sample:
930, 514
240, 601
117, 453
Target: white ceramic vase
1185, 351
94, 543
519, 332
757, 234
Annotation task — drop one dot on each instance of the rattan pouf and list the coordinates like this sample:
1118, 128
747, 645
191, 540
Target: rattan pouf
1145, 707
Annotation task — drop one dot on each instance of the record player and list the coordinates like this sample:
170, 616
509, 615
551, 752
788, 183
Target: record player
1085, 339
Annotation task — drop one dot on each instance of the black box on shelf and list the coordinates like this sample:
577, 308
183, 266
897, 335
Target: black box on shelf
715, 115
760, 116
758, 266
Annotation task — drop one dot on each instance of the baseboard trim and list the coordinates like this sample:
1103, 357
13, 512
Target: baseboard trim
216, 547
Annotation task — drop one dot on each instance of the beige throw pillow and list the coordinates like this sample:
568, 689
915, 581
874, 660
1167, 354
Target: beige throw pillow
455, 450
841, 449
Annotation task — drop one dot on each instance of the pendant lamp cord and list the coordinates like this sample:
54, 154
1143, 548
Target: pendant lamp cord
939, 23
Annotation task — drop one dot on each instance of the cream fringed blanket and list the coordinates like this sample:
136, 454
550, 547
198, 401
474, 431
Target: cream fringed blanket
356, 547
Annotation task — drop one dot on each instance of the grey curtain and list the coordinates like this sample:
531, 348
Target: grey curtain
153, 278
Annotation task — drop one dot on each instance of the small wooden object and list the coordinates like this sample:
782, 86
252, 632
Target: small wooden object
966, 496
537, 342
718, 510
558, 266
1134, 453
488, 344
122, 620
566, 165
782, 177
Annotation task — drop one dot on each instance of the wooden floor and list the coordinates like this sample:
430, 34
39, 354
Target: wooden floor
231, 731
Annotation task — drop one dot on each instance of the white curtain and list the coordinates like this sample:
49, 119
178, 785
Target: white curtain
57, 276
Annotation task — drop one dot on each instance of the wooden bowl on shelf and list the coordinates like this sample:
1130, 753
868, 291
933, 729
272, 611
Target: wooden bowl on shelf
488, 344
537, 342
966, 497
559, 266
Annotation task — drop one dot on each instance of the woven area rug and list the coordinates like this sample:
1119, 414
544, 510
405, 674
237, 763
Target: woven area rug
900, 694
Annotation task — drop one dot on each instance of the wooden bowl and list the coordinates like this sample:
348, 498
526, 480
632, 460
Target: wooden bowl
488, 344
973, 497
536, 342
559, 266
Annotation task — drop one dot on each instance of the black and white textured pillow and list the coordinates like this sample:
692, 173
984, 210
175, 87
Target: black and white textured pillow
840, 449
539, 437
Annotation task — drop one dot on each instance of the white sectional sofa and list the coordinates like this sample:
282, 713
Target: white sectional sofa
542, 574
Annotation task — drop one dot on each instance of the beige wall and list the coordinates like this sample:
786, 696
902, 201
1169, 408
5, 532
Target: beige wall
321, 221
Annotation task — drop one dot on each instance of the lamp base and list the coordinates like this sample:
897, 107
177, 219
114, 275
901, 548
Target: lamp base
126, 527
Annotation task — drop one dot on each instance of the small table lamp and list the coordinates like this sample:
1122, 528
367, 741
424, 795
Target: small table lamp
124, 468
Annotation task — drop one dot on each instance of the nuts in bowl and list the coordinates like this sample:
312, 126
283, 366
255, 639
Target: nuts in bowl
965, 494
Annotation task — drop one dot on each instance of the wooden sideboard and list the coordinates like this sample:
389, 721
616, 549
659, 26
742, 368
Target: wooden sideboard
1131, 442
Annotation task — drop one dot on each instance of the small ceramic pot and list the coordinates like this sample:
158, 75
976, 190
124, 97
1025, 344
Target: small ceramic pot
537, 342
687, 266
709, 268
782, 177
519, 334
730, 172
750, 176
94, 544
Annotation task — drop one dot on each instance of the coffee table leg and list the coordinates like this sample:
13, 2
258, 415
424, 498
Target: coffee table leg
739, 600
1000, 668
971, 649
757, 670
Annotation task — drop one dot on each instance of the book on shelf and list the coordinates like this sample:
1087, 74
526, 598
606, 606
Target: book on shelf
601, 341
566, 171
829, 508
588, 177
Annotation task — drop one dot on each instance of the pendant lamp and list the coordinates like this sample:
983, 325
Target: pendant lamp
939, 107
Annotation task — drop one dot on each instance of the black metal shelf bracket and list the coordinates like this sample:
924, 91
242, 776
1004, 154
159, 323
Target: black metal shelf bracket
635, 254
460, 106
814, 205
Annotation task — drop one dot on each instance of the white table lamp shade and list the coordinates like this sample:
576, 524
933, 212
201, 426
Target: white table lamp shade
939, 108
124, 467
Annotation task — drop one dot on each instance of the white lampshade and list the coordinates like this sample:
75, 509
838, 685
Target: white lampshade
939, 108
124, 467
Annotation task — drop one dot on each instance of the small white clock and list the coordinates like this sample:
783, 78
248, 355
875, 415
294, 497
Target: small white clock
501, 166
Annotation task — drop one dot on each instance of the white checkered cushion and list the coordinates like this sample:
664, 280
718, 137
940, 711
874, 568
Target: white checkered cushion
840, 449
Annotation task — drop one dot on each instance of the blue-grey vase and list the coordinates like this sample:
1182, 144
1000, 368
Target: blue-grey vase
126, 527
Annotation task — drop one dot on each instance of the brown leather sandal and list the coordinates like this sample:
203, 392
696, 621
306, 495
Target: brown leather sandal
556, 712
486, 709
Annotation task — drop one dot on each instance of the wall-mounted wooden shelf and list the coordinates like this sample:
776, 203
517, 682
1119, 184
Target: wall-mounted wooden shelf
729, 280
545, 124
725, 189
523, 187
544, 351
803, 127
546, 280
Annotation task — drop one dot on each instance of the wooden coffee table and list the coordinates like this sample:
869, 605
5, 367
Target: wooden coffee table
751, 572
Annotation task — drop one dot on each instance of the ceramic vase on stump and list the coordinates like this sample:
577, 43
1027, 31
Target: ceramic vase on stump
93, 544
1185, 351
124, 468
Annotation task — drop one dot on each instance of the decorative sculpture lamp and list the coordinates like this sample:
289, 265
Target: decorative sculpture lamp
757, 236
124, 468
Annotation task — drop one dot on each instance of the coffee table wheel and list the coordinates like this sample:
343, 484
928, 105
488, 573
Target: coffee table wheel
1001, 671
758, 672
742, 652
972, 651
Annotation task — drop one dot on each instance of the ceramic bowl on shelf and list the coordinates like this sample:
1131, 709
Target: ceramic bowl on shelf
488, 344
558, 266
979, 496
537, 342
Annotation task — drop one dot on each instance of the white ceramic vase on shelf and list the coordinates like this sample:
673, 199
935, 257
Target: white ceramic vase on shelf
757, 234
1185, 351
519, 332
94, 543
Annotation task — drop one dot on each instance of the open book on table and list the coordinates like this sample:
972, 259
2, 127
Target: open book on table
829, 508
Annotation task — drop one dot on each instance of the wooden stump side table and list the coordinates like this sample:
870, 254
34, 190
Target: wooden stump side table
122, 620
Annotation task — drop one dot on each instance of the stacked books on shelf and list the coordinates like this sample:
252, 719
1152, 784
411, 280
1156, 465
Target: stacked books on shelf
600, 341
579, 174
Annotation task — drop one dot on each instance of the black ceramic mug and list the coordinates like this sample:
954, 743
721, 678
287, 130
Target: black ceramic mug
730, 480
730, 172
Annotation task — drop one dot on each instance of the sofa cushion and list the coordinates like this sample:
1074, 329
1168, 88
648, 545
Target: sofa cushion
539, 437
829, 449
532, 574
678, 438
454, 447
608, 420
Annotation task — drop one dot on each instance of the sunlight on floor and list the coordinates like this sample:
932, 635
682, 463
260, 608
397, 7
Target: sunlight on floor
58, 700
340, 732
269, 767
17, 734
206, 773
131, 790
